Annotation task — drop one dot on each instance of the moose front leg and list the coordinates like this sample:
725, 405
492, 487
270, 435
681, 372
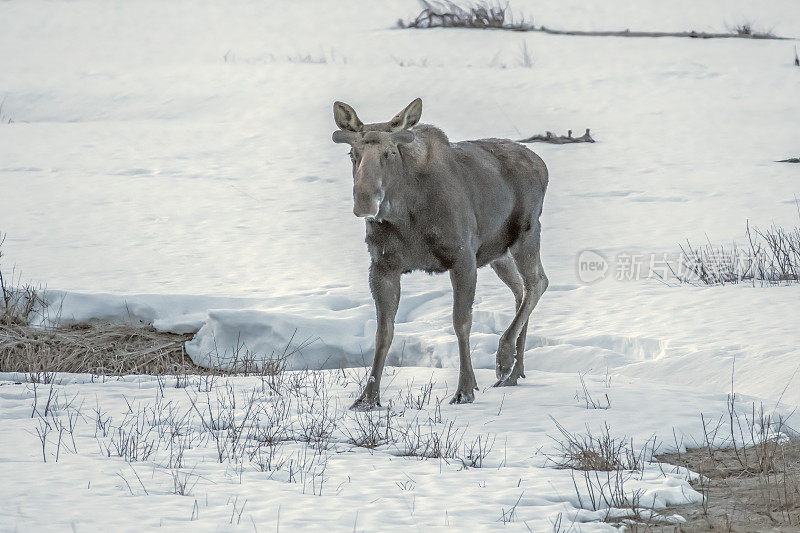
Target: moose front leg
385, 286
463, 277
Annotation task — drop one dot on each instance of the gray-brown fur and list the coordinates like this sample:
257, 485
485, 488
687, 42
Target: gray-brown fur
438, 206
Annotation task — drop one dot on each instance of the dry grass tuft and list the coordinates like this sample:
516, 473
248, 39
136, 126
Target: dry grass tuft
597, 451
18, 301
771, 257
98, 349
746, 29
447, 14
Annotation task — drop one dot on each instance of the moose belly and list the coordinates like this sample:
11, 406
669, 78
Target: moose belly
495, 245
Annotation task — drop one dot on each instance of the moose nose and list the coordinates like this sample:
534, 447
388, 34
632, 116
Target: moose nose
365, 205
366, 210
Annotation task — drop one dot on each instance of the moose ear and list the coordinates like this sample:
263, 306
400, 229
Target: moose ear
402, 137
345, 117
408, 117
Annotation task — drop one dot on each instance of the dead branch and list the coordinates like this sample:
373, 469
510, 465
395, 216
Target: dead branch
548, 137
487, 15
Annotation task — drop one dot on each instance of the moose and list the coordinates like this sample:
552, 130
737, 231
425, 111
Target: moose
438, 206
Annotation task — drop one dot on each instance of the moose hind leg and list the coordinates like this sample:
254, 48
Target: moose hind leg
506, 270
512, 343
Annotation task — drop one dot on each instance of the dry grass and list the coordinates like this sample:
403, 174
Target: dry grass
447, 14
98, 349
597, 451
749, 474
18, 301
737, 499
771, 257
601, 467
746, 29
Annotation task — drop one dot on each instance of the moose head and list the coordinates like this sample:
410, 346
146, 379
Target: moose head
374, 152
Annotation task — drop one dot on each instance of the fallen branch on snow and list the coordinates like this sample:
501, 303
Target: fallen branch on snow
548, 137
487, 15
691, 34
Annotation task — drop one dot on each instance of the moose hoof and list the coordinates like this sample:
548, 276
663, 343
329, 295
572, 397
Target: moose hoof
463, 396
366, 402
505, 359
511, 379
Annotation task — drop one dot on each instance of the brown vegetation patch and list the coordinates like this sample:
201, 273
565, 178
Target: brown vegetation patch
740, 498
98, 349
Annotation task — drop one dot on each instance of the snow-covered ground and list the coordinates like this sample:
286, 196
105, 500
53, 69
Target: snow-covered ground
171, 163
86, 480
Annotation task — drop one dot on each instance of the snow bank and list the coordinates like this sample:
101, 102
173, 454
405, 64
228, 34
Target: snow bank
176, 314
228, 336
696, 336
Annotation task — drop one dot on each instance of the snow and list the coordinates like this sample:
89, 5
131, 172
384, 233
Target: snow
373, 490
171, 164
